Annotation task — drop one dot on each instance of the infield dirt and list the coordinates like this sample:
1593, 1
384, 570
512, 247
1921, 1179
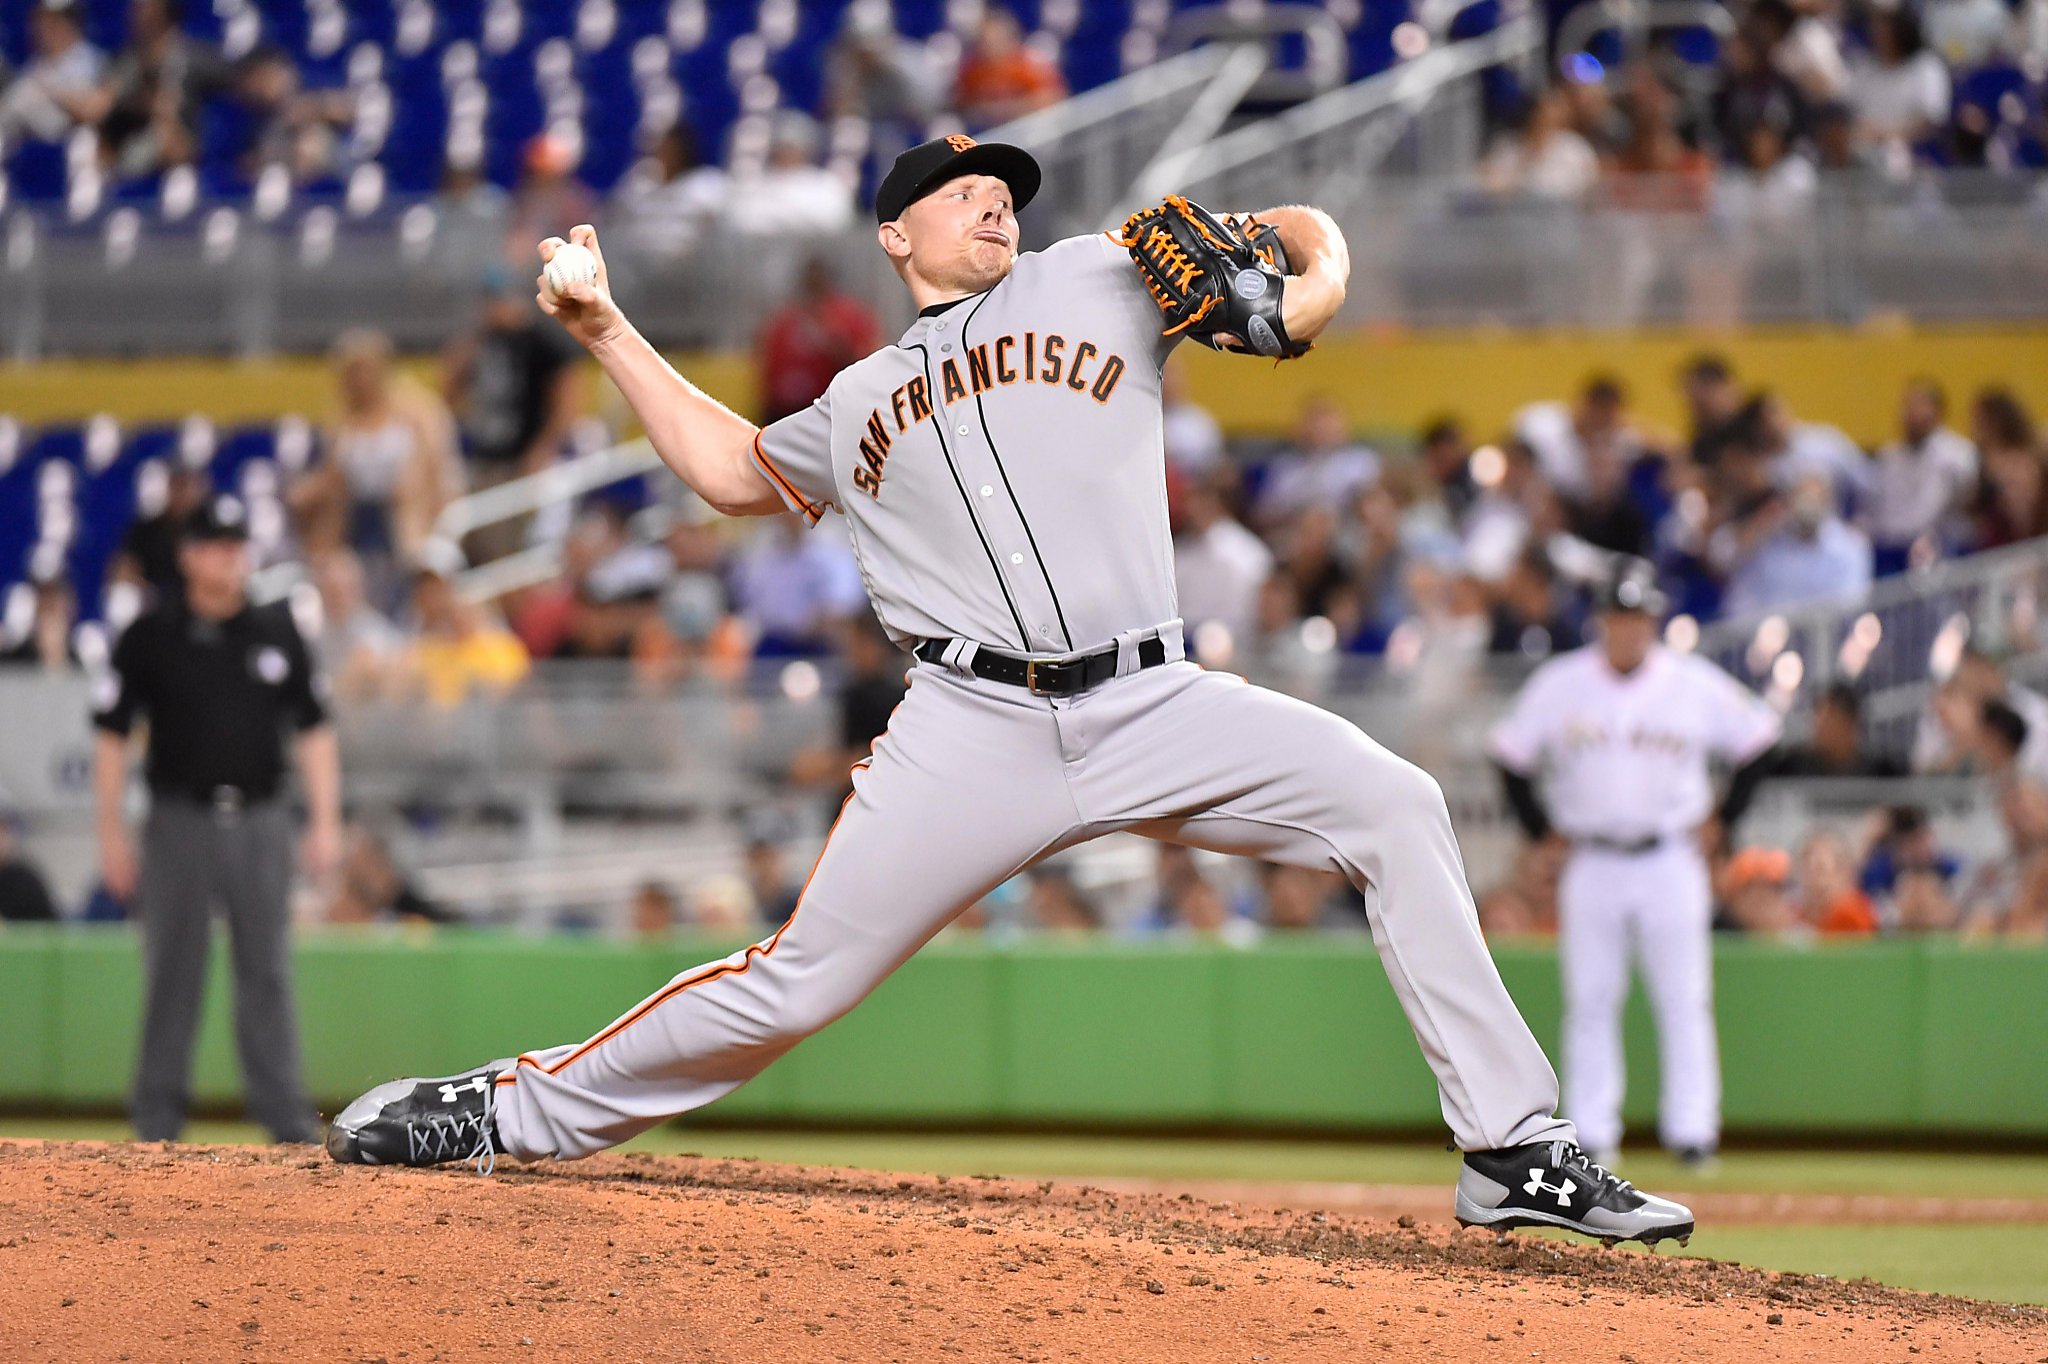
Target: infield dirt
167, 1253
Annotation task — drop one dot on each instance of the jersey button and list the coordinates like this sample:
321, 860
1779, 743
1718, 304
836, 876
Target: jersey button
962, 430
947, 346
938, 326
987, 491
1016, 558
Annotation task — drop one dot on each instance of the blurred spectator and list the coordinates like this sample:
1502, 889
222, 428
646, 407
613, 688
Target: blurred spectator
1446, 456
1900, 92
1515, 508
1751, 889
372, 888
1657, 170
670, 201
24, 894
693, 605
1323, 468
459, 652
1921, 484
1592, 114
391, 469
358, 648
148, 103
1713, 401
653, 913
148, 555
1191, 904
793, 195
1949, 738
2012, 496
1802, 46
1300, 899
1775, 190
1828, 900
868, 695
874, 72
1793, 551
1000, 77
1798, 450
1835, 747
721, 904
796, 589
55, 91
1218, 569
1194, 440
49, 641
1544, 160
289, 126
1835, 151
1056, 905
1526, 904
547, 201
1583, 449
1910, 873
514, 383
1753, 95
1531, 614
808, 340
775, 894
474, 221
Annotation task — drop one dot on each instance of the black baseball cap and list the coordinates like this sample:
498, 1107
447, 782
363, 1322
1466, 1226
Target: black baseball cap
218, 518
1633, 587
925, 167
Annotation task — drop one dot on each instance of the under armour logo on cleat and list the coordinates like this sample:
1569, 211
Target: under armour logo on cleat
450, 1093
1563, 1191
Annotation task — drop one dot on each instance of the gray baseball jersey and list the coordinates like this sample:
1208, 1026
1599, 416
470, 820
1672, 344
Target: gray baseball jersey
1001, 466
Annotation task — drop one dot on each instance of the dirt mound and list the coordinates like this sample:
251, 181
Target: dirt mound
207, 1254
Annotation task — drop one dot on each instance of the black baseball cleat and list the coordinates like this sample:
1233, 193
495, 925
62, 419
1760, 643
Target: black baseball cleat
422, 1122
1555, 1184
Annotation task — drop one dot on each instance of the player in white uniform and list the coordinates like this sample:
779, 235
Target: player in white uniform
1621, 733
1002, 474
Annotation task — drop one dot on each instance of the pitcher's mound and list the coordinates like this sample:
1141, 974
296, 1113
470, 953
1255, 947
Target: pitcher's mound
209, 1254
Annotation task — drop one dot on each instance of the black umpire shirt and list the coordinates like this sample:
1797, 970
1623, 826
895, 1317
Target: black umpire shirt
218, 694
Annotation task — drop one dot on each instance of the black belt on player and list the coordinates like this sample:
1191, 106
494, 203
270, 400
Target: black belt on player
1048, 677
1626, 847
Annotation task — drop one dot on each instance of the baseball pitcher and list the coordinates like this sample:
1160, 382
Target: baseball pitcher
1001, 473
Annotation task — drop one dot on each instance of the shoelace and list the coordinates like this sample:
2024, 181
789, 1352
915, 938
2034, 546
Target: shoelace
485, 1156
1567, 1153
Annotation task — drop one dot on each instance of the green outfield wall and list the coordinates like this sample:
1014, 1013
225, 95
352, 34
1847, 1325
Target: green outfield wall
1879, 1038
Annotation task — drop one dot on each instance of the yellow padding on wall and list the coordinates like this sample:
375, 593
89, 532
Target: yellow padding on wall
1850, 378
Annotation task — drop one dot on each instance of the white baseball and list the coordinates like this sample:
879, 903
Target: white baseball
571, 265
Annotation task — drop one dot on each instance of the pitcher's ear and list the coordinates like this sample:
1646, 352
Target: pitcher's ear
893, 240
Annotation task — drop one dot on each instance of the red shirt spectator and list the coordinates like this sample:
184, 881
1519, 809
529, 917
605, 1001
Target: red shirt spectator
1000, 78
808, 340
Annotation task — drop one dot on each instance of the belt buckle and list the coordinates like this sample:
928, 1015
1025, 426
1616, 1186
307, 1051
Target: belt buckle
1031, 678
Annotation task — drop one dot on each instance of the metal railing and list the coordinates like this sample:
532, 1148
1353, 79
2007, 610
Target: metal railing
1900, 639
1327, 150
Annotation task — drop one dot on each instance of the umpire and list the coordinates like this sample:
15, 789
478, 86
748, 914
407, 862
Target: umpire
219, 681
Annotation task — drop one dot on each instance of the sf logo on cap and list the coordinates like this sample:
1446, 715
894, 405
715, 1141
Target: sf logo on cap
959, 142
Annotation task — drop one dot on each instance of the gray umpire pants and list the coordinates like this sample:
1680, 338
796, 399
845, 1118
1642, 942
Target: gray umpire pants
974, 781
194, 858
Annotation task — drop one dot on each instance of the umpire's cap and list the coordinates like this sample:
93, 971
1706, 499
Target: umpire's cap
925, 167
1632, 586
218, 518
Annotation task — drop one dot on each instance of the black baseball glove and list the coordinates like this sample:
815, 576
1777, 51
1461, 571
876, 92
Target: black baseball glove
1220, 280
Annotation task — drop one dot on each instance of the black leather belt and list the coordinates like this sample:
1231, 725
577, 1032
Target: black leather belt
1626, 847
1044, 677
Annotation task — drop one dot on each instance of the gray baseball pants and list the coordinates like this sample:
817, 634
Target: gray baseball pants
193, 858
976, 780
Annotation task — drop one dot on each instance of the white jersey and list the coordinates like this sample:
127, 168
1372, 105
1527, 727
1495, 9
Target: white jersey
1626, 757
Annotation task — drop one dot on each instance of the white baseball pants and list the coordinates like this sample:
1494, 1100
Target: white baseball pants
974, 781
1655, 910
